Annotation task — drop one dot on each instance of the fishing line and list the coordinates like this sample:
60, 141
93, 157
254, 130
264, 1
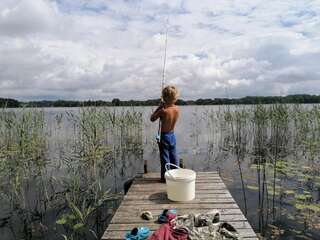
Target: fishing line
158, 137
165, 56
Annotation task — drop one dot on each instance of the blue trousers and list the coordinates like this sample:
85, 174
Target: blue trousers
168, 152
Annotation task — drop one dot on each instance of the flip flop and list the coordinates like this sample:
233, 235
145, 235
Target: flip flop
140, 233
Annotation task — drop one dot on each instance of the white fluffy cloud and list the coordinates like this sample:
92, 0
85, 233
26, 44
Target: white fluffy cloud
101, 49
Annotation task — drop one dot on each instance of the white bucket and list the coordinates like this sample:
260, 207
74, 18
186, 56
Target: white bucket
180, 183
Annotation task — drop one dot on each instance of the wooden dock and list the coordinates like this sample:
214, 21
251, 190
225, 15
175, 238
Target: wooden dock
148, 194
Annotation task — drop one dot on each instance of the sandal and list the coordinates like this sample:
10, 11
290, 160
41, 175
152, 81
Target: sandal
140, 233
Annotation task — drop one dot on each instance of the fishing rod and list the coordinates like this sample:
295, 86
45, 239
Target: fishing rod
158, 137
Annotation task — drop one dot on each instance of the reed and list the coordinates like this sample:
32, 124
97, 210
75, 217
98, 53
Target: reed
281, 143
64, 160
33, 182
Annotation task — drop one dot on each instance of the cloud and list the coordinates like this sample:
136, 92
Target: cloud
26, 17
103, 49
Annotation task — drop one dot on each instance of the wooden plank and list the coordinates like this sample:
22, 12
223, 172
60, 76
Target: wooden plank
212, 177
157, 181
210, 173
203, 196
155, 191
119, 234
198, 177
156, 174
166, 201
124, 218
163, 195
202, 185
148, 194
159, 186
156, 212
152, 181
207, 174
155, 226
141, 190
179, 205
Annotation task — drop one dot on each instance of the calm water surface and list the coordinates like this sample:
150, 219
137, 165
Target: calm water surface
281, 206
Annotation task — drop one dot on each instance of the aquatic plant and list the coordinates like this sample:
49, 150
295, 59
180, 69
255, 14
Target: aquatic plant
73, 185
103, 137
68, 160
237, 120
269, 135
23, 145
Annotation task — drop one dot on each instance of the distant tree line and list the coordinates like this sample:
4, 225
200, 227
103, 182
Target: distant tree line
299, 98
10, 103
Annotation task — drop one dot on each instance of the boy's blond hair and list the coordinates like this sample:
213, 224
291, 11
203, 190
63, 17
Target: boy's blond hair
170, 94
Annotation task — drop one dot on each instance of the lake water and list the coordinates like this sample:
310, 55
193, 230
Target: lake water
274, 148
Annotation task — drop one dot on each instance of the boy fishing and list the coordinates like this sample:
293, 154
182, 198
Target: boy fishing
168, 113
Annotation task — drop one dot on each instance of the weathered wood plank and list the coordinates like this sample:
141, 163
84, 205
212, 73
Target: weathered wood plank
167, 201
125, 218
157, 178
200, 178
223, 211
156, 192
156, 174
156, 181
159, 186
182, 205
203, 196
155, 226
119, 234
148, 194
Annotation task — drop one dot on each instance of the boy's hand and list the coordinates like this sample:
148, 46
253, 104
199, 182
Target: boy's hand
157, 113
161, 103
161, 106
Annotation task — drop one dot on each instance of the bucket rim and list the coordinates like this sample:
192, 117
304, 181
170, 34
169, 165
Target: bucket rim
189, 178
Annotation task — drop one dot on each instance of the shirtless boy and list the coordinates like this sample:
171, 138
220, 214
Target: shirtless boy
168, 113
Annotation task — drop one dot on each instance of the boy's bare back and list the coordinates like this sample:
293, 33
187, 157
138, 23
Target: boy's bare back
169, 116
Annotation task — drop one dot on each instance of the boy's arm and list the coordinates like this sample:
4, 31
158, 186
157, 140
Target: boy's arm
157, 113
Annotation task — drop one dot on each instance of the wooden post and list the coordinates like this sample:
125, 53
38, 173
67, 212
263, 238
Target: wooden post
145, 166
181, 163
218, 170
127, 185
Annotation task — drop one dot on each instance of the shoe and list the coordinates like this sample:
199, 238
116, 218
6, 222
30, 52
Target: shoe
228, 231
206, 219
163, 180
167, 215
140, 233
146, 215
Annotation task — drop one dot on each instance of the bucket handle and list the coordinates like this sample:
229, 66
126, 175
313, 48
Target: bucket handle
167, 170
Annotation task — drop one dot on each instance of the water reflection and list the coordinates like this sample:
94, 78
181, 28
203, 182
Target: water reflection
269, 158
56, 168
62, 169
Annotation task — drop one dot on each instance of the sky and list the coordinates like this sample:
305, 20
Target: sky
105, 49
